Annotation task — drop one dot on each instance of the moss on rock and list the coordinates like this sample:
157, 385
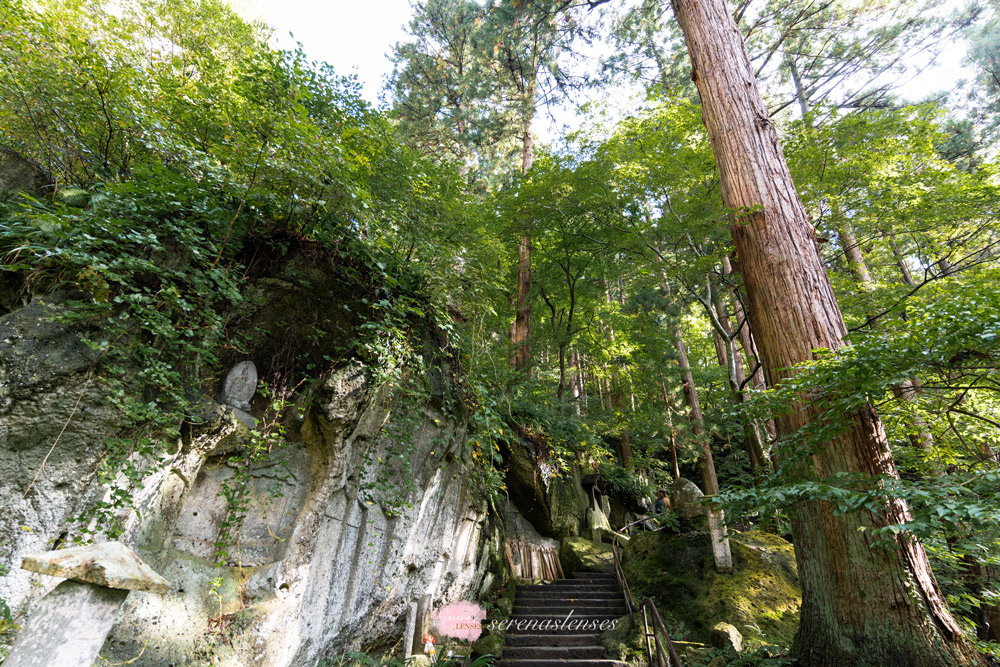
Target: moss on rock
761, 598
577, 554
625, 643
567, 503
487, 645
491, 641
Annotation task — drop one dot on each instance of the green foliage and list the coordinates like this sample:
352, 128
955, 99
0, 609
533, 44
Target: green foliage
143, 261
622, 482
192, 137
358, 659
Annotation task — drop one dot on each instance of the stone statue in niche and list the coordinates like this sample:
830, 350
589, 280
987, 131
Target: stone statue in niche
239, 387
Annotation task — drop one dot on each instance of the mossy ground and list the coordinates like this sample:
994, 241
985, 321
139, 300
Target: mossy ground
761, 598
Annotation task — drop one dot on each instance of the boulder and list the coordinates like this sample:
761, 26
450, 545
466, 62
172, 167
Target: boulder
724, 635
577, 554
20, 175
626, 642
685, 500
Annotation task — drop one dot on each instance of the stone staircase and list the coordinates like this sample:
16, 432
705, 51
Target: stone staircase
587, 599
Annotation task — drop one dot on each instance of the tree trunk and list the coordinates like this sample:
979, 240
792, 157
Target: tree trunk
853, 252
861, 605
904, 269
522, 319
521, 332
561, 389
625, 441
579, 382
706, 465
745, 334
767, 431
752, 437
800, 92
670, 427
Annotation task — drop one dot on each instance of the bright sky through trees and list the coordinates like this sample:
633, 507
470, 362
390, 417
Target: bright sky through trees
357, 36
344, 33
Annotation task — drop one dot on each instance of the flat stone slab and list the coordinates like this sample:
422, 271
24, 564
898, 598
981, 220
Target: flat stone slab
109, 564
67, 628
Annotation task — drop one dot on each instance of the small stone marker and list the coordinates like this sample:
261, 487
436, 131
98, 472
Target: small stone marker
720, 542
68, 626
240, 385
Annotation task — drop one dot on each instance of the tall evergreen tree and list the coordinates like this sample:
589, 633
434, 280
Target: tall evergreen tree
862, 604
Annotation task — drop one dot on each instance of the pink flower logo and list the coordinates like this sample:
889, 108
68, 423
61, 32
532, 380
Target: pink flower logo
461, 620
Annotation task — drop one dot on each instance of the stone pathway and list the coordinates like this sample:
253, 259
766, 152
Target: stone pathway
575, 606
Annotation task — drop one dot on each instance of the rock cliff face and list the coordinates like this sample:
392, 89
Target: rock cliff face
320, 566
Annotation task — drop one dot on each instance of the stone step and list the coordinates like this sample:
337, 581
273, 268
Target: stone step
573, 662
542, 598
593, 575
567, 595
569, 603
570, 585
577, 606
568, 639
587, 629
575, 612
555, 652
545, 615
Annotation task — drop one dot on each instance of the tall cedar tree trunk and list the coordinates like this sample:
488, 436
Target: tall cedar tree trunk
521, 332
861, 605
625, 441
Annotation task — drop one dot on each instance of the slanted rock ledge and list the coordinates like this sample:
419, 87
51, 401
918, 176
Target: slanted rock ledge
109, 564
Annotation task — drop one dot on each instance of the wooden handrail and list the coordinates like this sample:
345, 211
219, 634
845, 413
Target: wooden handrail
668, 658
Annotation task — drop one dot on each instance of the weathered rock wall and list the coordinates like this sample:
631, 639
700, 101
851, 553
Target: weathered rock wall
554, 503
53, 421
320, 566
